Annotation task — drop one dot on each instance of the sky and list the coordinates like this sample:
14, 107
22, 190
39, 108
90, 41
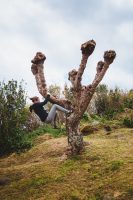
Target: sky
58, 28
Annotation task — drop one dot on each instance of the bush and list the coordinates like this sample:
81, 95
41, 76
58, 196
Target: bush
86, 116
12, 117
110, 102
128, 121
129, 100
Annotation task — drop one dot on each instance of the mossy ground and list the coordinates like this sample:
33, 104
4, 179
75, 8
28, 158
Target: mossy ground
104, 171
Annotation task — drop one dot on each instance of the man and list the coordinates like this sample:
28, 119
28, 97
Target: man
45, 116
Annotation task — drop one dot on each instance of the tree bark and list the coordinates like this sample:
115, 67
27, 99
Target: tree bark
75, 137
37, 70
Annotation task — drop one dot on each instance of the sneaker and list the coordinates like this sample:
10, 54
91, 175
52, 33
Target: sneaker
69, 113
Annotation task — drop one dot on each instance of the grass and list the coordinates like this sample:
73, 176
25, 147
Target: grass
103, 172
46, 129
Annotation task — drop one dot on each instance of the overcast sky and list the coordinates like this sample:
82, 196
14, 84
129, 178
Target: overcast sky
58, 28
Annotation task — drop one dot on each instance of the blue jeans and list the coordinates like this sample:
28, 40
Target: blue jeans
52, 112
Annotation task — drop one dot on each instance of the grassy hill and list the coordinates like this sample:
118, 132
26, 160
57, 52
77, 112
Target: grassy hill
103, 172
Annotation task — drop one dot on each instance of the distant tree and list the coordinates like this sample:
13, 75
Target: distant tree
55, 90
101, 100
110, 102
67, 93
129, 99
12, 116
82, 95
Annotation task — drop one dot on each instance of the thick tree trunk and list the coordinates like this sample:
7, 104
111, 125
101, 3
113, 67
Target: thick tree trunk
75, 137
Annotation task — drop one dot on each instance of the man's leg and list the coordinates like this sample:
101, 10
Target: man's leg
53, 110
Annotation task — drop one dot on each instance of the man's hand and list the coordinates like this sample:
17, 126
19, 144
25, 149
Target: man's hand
48, 96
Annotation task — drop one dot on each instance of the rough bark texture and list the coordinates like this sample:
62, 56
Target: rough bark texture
37, 70
81, 94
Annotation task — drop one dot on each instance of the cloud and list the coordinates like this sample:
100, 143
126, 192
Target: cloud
125, 31
122, 4
58, 28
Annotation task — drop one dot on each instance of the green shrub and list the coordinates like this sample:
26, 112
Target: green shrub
129, 100
128, 121
86, 116
44, 129
110, 102
12, 117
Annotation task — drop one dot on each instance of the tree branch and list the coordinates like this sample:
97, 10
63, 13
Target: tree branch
37, 70
102, 67
75, 76
87, 49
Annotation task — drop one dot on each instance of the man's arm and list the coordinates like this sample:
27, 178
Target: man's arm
46, 100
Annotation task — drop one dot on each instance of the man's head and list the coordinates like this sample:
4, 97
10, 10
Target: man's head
35, 99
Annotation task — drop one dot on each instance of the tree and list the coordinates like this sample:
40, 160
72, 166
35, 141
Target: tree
13, 116
81, 94
55, 90
101, 100
67, 93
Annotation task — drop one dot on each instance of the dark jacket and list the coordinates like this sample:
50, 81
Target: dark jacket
39, 109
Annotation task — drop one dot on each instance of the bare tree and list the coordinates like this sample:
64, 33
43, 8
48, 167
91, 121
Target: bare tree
81, 94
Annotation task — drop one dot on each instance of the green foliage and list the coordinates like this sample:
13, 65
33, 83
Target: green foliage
95, 117
44, 130
39, 181
110, 102
55, 132
67, 92
55, 90
12, 117
128, 103
86, 116
128, 121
